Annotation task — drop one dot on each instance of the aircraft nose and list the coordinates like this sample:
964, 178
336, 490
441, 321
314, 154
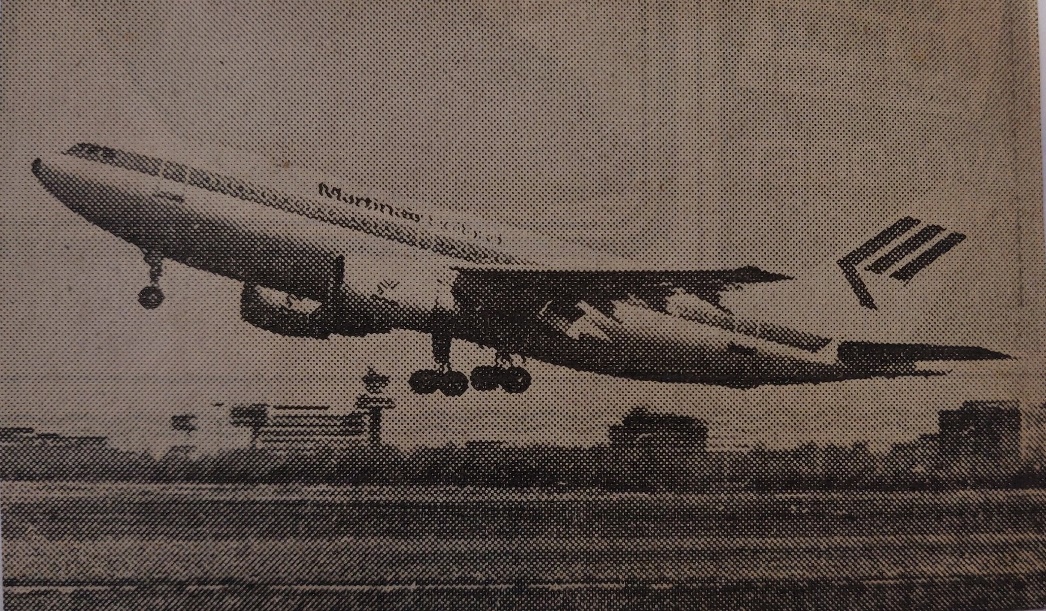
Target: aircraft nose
57, 177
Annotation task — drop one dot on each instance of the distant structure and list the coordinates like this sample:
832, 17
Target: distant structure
483, 445
26, 436
917, 456
304, 428
183, 422
253, 417
297, 428
981, 434
646, 429
730, 437
374, 403
16, 434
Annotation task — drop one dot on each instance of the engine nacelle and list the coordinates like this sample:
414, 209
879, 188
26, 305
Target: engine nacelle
273, 311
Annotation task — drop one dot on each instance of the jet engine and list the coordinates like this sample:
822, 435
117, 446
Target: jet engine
278, 313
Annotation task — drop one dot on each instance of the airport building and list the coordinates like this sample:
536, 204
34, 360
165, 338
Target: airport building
641, 428
981, 434
23, 436
299, 428
305, 428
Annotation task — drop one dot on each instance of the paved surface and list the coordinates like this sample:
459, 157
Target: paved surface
71, 544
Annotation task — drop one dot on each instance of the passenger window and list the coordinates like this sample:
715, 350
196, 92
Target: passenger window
175, 172
199, 178
137, 163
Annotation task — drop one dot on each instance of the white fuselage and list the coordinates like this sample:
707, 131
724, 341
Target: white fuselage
399, 265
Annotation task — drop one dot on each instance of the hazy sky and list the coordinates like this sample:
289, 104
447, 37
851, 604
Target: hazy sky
760, 135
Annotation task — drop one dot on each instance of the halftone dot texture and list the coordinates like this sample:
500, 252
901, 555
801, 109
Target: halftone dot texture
657, 135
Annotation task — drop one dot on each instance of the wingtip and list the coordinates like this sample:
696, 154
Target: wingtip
983, 354
775, 277
756, 274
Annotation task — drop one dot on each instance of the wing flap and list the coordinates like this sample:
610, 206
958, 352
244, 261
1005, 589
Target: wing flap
527, 289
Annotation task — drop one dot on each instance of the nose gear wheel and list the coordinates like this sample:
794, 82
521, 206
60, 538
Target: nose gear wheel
151, 296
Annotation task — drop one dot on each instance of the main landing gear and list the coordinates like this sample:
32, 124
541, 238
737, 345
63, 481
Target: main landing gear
503, 373
427, 381
151, 296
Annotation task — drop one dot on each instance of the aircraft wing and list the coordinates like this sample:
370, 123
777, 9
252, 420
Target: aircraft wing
505, 289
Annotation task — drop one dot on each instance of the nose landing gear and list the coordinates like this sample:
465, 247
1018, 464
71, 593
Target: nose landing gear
151, 296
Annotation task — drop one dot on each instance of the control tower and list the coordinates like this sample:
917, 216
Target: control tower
373, 402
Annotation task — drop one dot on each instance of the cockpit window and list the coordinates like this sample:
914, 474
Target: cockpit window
85, 149
118, 158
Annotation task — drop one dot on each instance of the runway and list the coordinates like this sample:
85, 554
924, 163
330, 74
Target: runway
69, 545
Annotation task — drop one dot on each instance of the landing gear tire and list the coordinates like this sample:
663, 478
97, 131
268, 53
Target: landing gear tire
515, 380
486, 377
150, 297
453, 384
424, 381
428, 381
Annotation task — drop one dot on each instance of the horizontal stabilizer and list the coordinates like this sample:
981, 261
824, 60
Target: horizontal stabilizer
872, 353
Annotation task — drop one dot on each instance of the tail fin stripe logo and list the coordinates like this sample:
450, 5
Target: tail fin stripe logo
848, 264
928, 256
880, 241
904, 249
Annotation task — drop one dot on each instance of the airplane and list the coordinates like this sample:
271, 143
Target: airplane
324, 260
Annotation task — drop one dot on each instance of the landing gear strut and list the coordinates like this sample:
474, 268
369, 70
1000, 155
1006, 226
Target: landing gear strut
151, 296
503, 373
426, 381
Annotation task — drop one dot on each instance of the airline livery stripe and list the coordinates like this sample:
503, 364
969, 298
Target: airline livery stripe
406, 232
864, 296
880, 241
381, 220
930, 255
904, 249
